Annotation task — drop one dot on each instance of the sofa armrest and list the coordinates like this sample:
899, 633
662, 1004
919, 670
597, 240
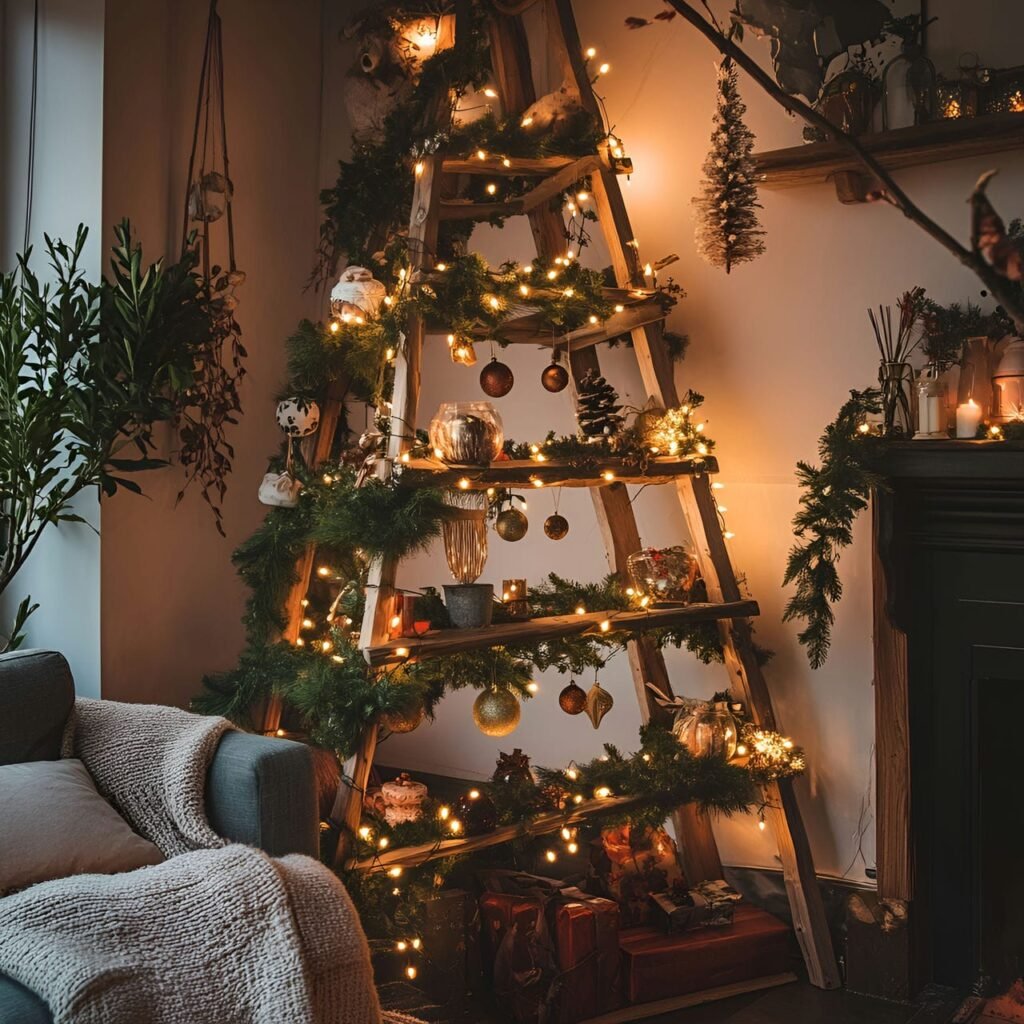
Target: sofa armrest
262, 791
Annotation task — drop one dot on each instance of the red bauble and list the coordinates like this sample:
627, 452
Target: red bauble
555, 377
573, 699
496, 379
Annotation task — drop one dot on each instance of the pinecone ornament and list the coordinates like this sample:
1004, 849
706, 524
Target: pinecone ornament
597, 411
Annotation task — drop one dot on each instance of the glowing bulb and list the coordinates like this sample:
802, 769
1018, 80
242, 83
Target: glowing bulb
307, 623
491, 188
728, 535
526, 122
405, 457
761, 823
335, 326
419, 168
605, 626
604, 69
552, 274
566, 834
455, 825
591, 52
524, 290
572, 847
396, 621
551, 856
532, 687
644, 601
410, 972
416, 943
582, 196
464, 483
383, 842
578, 798
442, 267
326, 646
716, 486
451, 340
402, 652
608, 475
481, 154
401, 945
490, 93
389, 354
323, 571
537, 483
580, 610
619, 307
280, 732
602, 792
592, 318
474, 794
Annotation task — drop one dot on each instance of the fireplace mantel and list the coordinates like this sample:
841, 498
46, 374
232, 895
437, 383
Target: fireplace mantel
944, 503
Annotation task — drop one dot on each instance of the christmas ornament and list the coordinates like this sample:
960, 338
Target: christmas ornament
496, 712
496, 379
599, 703
280, 490
597, 408
556, 526
404, 721
514, 767
664, 574
298, 417
357, 293
403, 799
553, 111
511, 524
710, 730
572, 700
468, 433
477, 813
555, 377
728, 231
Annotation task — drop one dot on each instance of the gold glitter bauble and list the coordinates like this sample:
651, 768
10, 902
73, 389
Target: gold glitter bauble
496, 712
398, 721
511, 524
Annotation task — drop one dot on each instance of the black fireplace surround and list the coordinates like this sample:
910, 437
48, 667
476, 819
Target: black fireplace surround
951, 540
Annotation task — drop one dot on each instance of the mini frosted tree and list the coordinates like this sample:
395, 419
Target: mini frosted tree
728, 231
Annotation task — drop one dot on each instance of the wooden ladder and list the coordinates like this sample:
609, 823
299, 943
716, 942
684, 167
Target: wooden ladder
511, 66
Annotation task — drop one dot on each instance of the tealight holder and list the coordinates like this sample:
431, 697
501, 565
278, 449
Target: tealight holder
514, 598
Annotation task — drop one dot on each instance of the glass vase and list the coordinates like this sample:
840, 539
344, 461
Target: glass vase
896, 380
909, 90
466, 433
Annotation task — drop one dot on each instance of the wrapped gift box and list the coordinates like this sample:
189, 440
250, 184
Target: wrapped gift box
630, 865
657, 965
708, 905
555, 959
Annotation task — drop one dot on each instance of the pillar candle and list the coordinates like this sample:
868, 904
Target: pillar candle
968, 418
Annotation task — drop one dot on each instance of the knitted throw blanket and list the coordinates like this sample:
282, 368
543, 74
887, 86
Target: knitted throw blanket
217, 934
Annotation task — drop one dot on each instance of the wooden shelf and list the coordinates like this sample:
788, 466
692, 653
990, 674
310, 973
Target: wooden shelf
820, 162
542, 824
523, 473
534, 631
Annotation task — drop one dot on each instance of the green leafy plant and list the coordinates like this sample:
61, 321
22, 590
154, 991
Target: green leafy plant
86, 370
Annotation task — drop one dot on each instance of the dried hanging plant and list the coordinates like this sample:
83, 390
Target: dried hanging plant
210, 404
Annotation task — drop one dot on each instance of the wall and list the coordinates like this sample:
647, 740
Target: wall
171, 601
62, 573
776, 346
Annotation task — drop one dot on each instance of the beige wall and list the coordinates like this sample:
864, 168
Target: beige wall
775, 346
171, 601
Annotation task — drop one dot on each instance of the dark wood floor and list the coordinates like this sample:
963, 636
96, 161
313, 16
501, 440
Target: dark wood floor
799, 1003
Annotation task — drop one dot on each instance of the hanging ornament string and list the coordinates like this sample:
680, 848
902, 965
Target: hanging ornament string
30, 175
212, 403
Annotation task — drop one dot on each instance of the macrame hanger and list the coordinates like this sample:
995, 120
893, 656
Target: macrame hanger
33, 105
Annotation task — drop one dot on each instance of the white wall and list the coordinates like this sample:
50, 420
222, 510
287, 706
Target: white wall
776, 346
63, 572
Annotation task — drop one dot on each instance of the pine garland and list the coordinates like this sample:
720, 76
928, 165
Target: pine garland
728, 230
834, 493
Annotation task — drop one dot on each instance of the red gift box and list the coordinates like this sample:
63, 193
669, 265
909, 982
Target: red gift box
632, 864
659, 966
555, 960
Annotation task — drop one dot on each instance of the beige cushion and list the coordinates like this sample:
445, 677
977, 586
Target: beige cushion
53, 823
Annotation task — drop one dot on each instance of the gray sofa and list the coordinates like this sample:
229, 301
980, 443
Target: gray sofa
259, 791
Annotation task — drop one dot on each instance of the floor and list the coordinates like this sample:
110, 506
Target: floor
799, 1003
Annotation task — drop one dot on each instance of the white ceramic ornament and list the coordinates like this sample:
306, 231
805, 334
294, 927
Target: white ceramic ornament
357, 293
280, 490
298, 417
403, 799
551, 111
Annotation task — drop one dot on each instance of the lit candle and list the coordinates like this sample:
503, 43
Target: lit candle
968, 418
514, 597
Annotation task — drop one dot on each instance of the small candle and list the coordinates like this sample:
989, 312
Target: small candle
968, 418
514, 597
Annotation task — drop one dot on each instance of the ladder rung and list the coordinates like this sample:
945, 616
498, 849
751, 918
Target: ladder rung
454, 641
528, 330
551, 473
542, 824
507, 166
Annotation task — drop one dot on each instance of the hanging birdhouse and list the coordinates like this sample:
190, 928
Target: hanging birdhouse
357, 294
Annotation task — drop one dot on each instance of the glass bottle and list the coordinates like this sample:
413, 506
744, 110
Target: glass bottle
909, 87
931, 404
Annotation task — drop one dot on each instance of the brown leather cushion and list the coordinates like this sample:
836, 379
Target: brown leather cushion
53, 823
